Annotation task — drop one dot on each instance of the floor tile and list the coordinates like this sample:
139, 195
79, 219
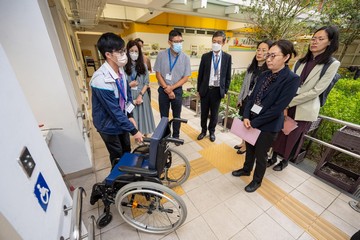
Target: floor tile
244, 208
192, 183
222, 222
171, 236
317, 208
223, 188
342, 209
192, 212
339, 223
322, 197
324, 185
196, 229
291, 227
265, 228
210, 175
203, 198
288, 176
280, 183
123, 232
244, 234
306, 236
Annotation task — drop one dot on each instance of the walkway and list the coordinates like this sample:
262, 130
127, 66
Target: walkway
289, 205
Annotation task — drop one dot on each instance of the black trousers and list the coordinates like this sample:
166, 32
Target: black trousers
176, 105
116, 145
210, 103
259, 152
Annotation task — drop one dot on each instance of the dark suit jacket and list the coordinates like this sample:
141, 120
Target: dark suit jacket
204, 73
274, 101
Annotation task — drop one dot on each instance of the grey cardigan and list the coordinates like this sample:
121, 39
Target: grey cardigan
245, 87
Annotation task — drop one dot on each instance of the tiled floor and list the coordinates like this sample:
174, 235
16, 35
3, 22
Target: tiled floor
291, 204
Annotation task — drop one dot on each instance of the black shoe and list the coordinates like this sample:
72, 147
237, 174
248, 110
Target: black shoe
201, 136
212, 137
240, 172
237, 147
271, 161
96, 194
240, 151
177, 144
252, 186
281, 165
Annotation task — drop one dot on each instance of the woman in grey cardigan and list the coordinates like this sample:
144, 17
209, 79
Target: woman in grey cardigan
257, 66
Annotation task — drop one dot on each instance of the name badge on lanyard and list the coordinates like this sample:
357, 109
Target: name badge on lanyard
256, 109
171, 65
134, 79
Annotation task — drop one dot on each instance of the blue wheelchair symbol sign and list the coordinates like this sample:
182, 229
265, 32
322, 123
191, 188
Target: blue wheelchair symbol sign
42, 192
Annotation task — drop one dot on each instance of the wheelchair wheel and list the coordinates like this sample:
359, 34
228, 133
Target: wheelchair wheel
150, 207
177, 169
104, 220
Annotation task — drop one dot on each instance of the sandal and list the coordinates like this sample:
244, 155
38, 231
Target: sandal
281, 165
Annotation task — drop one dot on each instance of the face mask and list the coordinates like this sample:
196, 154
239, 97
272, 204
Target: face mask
216, 47
177, 47
134, 56
121, 60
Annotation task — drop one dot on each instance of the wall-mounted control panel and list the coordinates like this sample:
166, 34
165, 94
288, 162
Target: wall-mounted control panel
27, 162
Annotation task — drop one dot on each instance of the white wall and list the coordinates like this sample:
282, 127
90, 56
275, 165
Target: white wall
30, 41
18, 203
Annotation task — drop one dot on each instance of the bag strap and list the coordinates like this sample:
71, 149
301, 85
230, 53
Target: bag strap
326, 66
297, 64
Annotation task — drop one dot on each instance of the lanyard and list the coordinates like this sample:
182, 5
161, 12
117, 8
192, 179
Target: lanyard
120, 88
216, 65
133, 76
172, 65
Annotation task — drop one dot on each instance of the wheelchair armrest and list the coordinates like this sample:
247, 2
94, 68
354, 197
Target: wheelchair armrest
146, 140
137, 170
174, 140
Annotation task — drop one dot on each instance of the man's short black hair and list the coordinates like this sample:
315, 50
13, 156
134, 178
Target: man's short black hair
174, 33
109, 42
220, 34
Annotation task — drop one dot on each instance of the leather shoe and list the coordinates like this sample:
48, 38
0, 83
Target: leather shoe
281, 165
240, 151
270, 162
212, 137
252, 186
201, 136
240, 172
237, 146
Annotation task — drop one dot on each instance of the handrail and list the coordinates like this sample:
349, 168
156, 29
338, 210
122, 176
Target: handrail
75, 226
91, 228
352, 125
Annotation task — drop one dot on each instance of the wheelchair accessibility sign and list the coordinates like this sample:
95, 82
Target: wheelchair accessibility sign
42, 192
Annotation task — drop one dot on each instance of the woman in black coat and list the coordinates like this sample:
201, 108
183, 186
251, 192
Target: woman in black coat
264, 110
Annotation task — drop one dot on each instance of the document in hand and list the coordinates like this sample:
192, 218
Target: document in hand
249, 135
289, 125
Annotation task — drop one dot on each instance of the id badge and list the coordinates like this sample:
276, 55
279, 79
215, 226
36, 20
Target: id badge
256, 109
134, 88
168, 77
129, 107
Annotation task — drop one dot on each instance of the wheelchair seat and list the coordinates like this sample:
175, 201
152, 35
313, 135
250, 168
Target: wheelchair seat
135, 163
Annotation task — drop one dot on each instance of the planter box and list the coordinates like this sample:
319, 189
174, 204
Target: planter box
343, 178
349, 139
228, 123
193, 104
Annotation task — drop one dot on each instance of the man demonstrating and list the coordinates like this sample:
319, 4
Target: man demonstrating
213, 83
172, 69
111, 98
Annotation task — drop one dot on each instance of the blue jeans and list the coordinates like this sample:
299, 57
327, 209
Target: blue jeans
176, 105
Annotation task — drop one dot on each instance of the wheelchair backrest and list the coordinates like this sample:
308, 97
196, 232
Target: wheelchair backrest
158, 156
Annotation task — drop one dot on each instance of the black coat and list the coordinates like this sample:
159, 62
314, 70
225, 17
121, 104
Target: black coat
204, 73
274, 101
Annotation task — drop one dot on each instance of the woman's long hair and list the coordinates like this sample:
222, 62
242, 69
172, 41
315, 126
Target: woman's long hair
139, 63
333, 36
254, 64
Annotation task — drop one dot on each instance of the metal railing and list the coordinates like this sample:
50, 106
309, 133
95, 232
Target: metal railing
76, 217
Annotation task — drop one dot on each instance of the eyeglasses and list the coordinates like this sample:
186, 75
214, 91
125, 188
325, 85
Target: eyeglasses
179, 41
121, 51
315, 39
271, 55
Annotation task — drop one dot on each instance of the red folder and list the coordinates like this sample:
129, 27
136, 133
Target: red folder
289, 125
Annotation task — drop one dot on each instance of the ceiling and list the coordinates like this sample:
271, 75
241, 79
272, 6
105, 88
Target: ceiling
114, 15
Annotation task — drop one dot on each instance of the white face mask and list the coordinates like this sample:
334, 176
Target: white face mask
121, 60
134, 56
216, 47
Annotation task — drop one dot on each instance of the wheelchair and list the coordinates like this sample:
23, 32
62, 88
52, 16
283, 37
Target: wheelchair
139, 184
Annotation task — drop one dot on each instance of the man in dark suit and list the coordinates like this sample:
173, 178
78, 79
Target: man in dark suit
213, 83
